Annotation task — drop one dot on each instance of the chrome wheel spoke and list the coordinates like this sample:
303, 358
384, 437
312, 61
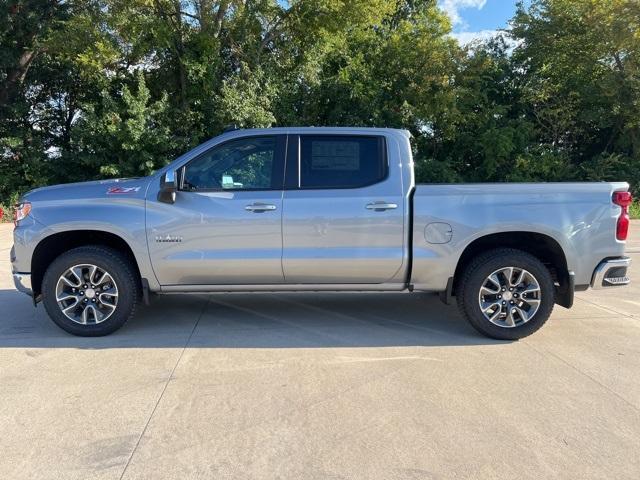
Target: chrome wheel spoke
493, 278
520, 278
77, 273
108, 306
92, 273
524, 316
77, 283
108, 300
88, 311
509, 320
66, 296
104, 278
487, 291
73, 305
508, 273
68, 282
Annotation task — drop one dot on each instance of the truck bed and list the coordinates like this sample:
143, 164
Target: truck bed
578, 216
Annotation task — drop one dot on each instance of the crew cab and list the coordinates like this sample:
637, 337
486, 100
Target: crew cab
316, 209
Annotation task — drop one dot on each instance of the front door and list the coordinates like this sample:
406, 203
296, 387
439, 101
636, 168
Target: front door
225, 226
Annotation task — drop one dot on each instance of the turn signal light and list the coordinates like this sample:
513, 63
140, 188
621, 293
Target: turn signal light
21, 211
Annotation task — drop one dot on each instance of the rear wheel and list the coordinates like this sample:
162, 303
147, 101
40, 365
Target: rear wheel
506, 294
90, 291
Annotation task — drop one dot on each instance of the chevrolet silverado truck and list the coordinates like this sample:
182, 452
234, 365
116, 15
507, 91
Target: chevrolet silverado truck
316, 209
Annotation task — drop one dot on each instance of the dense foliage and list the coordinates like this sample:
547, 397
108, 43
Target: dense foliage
95, 88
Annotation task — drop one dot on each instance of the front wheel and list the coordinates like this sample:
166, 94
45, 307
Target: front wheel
90, 291
506, 294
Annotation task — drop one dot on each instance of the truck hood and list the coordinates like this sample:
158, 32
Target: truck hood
116, 187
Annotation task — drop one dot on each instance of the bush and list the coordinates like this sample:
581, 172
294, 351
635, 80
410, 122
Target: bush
634, 210
7, 208
5, 214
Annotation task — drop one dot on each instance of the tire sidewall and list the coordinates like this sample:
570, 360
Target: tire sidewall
482, 270
107, 259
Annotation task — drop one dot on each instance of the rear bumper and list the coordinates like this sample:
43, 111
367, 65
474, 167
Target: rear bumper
22, 282
611, 273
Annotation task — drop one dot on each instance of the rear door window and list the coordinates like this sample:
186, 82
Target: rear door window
341, 161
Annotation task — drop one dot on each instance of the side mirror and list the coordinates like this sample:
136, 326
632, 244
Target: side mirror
168, 187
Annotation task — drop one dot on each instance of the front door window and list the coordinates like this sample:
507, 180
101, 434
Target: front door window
244, 164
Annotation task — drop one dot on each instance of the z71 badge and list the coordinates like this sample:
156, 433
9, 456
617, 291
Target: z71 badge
120, 190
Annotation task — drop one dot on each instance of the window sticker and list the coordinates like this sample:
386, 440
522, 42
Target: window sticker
338, 155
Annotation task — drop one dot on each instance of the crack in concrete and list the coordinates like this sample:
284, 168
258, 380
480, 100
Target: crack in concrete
164, 389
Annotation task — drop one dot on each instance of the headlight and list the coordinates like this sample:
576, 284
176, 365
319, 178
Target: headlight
21, 211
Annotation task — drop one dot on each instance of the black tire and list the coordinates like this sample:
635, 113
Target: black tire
123, 274
474, 277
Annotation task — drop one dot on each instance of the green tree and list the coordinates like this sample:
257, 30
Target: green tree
92, 88
579, 61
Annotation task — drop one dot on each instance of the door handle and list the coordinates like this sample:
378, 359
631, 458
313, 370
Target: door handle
260, 207
381, 206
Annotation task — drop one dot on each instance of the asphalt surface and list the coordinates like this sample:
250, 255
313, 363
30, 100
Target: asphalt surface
320, 386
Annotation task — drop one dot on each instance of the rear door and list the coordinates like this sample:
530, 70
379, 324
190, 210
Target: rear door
343, 211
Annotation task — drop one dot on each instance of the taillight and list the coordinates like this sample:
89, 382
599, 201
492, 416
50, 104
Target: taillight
623, 200
21, 211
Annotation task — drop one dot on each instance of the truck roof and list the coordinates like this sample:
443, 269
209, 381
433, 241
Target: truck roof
323, 130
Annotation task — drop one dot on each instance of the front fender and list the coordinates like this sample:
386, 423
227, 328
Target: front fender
122, 217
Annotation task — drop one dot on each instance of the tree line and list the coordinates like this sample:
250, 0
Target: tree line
111, 88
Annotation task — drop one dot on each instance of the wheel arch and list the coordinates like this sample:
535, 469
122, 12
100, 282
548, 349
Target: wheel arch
544, 247
54, 245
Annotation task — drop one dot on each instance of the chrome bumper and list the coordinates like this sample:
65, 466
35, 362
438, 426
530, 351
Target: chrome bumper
22, 282
611, 273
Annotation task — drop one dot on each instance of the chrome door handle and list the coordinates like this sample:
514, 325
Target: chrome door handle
260, 207
380, 206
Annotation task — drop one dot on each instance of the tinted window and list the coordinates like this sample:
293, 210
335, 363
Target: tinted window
341, 161
244, 164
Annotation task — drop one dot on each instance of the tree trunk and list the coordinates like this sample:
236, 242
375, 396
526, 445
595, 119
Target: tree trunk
222, 11
16, 76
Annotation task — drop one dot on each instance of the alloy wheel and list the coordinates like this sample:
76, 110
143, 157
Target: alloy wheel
87, 294
510, 297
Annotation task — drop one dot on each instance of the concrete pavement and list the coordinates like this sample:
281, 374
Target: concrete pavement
320, 386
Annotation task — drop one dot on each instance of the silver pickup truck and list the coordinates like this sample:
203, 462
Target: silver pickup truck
291, 209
